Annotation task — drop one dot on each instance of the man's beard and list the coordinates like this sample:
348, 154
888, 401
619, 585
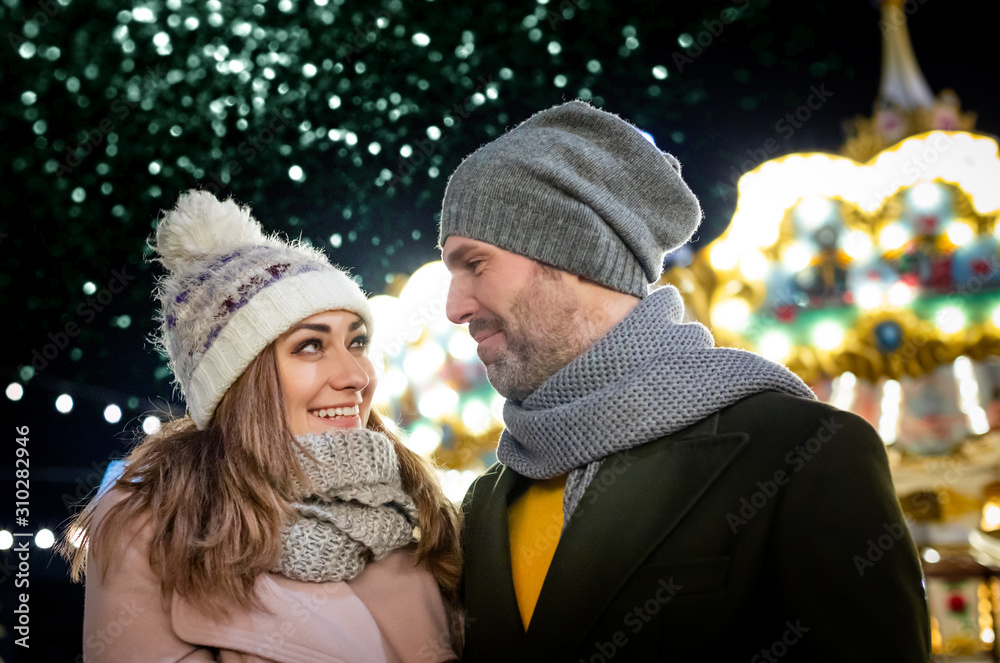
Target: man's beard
546, 330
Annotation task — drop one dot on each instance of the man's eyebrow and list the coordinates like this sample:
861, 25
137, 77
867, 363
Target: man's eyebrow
453, 259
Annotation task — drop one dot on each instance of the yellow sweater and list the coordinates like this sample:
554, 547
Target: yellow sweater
535, 520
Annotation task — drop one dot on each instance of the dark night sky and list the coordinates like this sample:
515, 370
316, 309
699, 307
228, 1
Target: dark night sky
713, 112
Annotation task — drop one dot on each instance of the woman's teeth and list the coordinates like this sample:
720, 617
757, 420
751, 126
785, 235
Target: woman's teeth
331, 412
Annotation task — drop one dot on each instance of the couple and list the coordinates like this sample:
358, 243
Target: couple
283, 520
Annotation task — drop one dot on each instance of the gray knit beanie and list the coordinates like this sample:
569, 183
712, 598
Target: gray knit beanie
579, 189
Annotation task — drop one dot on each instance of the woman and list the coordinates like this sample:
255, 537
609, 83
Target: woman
281, 520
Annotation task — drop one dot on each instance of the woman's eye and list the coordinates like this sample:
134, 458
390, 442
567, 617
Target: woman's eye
361, 341
309, 347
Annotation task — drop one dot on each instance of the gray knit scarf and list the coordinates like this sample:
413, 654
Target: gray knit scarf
650, 376
355, 510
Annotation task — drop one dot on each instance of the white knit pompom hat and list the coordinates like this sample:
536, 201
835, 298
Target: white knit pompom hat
231, 290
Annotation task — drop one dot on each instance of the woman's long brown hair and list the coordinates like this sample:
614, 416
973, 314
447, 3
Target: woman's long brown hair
218, 500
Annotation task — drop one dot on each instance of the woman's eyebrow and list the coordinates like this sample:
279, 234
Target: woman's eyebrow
312, 326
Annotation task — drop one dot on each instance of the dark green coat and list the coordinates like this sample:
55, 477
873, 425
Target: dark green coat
769, 531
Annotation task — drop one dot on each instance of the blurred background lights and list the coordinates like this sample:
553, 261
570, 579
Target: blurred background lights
89, 288
45, 538
925, 196
6, 540
869, 295
15, 391
461, 346
64, 403
900, 294
423, 362
893, 236
438, 401
424, 439
731, 314
150, 424
796, 257
814, 211
932, 556
950, 319
892, 399
456, 483
476, 417
828, 335
960, 233
112, 414
775, 345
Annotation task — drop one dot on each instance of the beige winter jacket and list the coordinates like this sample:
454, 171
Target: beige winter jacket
391, 613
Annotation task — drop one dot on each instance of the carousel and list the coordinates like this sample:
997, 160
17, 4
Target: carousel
874, 274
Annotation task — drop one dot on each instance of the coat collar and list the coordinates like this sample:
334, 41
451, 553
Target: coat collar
662, 480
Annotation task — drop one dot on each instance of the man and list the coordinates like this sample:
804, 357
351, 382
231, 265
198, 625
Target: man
656, 498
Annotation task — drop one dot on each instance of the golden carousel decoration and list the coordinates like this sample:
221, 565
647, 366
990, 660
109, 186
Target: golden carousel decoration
875, 276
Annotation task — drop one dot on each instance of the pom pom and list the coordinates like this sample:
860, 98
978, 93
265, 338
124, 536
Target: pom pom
200, 225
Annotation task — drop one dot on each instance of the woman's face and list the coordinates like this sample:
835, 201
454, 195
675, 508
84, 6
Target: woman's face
326, 376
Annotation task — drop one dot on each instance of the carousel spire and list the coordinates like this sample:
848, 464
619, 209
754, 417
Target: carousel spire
905, 105
903, 83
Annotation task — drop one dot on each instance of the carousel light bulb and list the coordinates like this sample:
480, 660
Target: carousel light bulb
959, 233
6, 539
869, 296
858, 245
828, 335
900, 294
754, 266
723, 256
775, 345
814, 211
950, 319
796, 257
893, 236
996, 316
931, 556
926, 196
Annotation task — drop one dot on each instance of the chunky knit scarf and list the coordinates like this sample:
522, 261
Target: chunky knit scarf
354, 511
650, 376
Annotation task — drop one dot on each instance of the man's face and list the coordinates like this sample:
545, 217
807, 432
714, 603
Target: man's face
526, 318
